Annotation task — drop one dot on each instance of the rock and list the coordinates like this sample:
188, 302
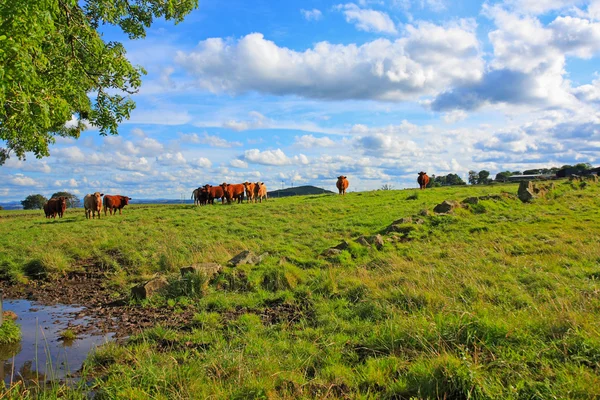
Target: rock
472, 200
331, 252
403, 229
342, 246
424, 212
419, 221
149, 289
209, 270
247, 257
10, 315
528, 191
376, 240
445, 207
405, 220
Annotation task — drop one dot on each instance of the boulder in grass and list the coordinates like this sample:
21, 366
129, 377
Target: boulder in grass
149, 289
445, 207
207, 269
331, 252
376, 240
247, 257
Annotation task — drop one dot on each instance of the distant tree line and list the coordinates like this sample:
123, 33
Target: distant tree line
447, 180
37, 201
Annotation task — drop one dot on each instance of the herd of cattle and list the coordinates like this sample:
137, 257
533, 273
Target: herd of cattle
92, 203
231, 192
255, 192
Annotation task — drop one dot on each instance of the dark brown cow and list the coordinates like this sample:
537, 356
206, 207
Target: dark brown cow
92, 203
233, 191
251, 191
261, 191
342, 184
423, 180
112, 203
214, 192
55, 206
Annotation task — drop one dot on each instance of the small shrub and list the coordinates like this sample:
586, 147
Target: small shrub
10, 332
414, 196
67, 335
191, 285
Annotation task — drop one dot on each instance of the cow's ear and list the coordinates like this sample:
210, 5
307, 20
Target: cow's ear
129, 198
101, 194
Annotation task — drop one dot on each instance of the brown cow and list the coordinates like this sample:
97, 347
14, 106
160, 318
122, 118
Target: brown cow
214, 192
251, 191
261, 191
342, 184
92, 203
112, 203
233, 191
55, 206
423, 180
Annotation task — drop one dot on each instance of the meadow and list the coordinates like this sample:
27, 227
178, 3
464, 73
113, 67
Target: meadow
496, 300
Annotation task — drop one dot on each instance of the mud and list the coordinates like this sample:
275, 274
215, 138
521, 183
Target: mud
102, 313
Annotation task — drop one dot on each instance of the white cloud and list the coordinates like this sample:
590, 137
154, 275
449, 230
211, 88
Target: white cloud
213, 141
202, 162
537, 7
138, 132
237, 163
149, 147
427, 59
309, 141
273, 157
368, 20
171, 159
22, 180
257, 120
455, 116
312, 15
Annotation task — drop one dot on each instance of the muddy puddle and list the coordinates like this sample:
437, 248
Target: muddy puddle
42, 355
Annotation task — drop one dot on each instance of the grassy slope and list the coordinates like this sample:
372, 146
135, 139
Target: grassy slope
498, 301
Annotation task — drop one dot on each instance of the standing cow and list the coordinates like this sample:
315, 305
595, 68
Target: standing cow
214, 192
196, 196
342, 184
233, 191
423, 180
92, 203
55, 206
261, 191
251, 191
112, 203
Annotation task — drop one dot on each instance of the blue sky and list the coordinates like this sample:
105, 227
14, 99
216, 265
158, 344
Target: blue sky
300, 92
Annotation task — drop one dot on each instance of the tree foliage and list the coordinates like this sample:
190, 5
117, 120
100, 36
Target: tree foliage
34, 202
72, 200
52, 57
448, 180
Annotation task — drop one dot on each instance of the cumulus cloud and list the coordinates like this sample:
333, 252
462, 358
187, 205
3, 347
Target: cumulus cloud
237, 163
273, 157
368, 20
309, 141
211, 140
433, 5
257, 120
311, 15
22, 180
171, 159
427, 59
202, 162
386, 145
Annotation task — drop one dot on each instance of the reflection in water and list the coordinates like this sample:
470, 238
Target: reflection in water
41, 355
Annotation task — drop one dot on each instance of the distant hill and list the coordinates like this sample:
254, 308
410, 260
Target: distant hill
298, 191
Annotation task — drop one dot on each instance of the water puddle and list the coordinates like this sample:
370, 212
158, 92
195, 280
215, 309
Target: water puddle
42, 355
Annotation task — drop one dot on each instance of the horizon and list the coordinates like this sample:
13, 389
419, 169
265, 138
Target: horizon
308, 90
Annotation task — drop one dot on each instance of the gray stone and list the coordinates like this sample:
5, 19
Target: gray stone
528, 191
445, 207
376, 240
342, 246
472, 200
424, 212
247, 257
331, 252
149, 289
405, 220
399, 228
207, 269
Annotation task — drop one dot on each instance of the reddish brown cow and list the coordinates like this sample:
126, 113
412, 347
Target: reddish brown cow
342, 184
112, 203
55, 206
92, 203
423, 180
251, 191
261, 191
233, 191
214, 192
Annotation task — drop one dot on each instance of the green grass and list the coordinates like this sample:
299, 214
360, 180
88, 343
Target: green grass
10, 333
499, 300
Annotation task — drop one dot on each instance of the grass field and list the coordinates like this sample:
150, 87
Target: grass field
499, 300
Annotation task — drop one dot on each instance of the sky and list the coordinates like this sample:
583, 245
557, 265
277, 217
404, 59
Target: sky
299, 92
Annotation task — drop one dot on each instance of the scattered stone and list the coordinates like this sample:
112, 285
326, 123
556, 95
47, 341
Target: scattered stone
331, 252
247, 257
376, 240
445, 207
424, 212
149, 289
207, 269
529, 191
405, 220
10, 315
419, 221
471, 200
342, 246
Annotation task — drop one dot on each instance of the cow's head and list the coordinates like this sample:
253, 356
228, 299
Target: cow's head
126, 200
422, 173
246, 184
224, 185
62, 200
341, 178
